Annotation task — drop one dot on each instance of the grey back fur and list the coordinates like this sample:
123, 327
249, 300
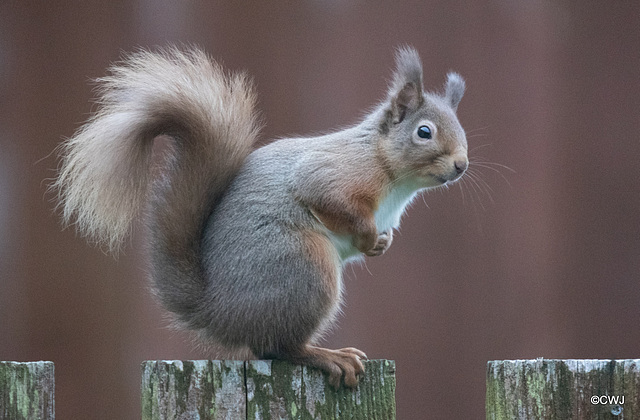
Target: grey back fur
236, 252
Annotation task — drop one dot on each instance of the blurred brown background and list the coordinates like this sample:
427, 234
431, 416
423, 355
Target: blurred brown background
544, 263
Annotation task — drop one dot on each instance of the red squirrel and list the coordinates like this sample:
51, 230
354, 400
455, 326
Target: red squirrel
248, 244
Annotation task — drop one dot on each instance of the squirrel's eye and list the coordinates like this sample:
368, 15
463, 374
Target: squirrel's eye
424, 132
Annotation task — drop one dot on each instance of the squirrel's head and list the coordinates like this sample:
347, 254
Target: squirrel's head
421, 136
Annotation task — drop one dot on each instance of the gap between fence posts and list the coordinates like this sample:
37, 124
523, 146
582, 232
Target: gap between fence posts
261, 390
563, 389
27, 390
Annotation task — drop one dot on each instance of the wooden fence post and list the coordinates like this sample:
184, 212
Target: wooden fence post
193, 389
563, 389
27, 390
262, 390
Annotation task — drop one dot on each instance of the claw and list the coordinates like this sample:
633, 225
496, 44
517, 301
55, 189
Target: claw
337, 363
355, 351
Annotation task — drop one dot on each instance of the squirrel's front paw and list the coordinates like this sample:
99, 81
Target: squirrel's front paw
382, 244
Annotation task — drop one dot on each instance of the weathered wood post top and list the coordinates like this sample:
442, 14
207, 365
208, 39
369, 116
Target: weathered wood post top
563, 389
261, 390
27, 390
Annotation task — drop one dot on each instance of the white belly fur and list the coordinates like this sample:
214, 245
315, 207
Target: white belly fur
393, 205
387, 217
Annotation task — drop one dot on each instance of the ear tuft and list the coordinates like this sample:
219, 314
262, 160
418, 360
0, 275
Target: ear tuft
454, 89
405, 92
408, 66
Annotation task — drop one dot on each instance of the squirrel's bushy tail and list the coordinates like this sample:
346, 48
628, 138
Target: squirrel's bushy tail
106, 167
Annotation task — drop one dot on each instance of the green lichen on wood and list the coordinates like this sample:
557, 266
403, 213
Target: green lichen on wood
529, 389
194, 389
629, 386
273, 389
279, 390
561, 389
27, 390
261, 390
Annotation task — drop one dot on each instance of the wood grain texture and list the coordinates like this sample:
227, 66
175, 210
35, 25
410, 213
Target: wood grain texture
279, 390
27, 390
261, 390
193, 389
563, 389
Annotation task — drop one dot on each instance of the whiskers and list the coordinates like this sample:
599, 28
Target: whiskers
475, 186
474, 181
475, 133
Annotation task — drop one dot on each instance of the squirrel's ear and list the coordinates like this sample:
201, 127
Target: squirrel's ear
405, 93
454, 89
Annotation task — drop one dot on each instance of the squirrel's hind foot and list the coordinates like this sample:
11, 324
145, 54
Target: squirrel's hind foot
337, 363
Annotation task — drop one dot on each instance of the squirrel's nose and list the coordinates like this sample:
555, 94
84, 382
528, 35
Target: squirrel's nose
461, 166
